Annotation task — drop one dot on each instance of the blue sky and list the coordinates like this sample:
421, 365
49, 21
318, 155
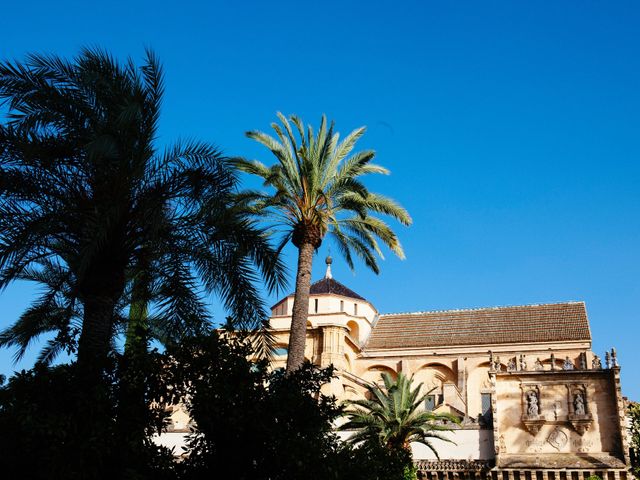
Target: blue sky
511, 129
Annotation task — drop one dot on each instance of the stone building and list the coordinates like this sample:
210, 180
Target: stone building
535, 402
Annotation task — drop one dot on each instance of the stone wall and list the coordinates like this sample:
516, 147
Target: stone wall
558, 419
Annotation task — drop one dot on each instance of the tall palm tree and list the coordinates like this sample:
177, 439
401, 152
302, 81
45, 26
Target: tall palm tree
86, 194
318, 191
395, 416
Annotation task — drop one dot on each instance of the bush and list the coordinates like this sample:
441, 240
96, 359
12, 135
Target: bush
250, 423
262, 425
54, 427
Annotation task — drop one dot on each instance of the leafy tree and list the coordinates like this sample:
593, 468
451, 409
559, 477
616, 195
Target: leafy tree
91, 210
256, 424
122, 237
634, 431
45, 439
318, 190
395, 417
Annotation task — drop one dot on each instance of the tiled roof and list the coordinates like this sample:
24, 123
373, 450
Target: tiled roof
482, 326
329, 285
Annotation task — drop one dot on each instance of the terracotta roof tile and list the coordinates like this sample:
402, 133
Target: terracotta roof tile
482, 326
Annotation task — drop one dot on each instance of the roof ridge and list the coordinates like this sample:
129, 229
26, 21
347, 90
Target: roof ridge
476, 309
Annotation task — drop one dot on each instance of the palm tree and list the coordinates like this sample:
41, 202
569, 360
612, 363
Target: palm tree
318, 190
395, 416
93, 211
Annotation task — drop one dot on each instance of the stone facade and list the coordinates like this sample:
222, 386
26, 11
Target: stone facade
529, 391
535, 402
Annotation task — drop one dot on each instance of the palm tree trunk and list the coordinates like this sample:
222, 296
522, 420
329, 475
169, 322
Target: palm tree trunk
137, 337
97, 331
132, 414
298, 331
103, 286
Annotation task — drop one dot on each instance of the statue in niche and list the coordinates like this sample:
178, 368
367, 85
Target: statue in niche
596, 363
523, 363
511, 366
538, 365
578, 404
533, 407
568, 364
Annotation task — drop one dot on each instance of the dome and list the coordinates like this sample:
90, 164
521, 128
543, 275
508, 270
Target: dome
330, 286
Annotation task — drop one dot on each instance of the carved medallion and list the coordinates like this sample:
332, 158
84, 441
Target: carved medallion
557, 439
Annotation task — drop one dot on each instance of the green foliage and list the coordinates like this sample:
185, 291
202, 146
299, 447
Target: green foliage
318, 190
410, 472
89, 205
45, 438
250, 423
258, 424
394, 416
634, 432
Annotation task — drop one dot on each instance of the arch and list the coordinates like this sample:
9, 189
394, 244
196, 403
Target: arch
436, 364
433, 376
351, 393
478, 383
354, 330
374, 372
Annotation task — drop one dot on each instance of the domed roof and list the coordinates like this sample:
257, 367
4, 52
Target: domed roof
330, 286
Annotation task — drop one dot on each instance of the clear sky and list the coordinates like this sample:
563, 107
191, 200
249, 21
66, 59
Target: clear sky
511, 128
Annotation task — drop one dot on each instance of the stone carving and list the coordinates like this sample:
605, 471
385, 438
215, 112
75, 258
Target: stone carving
538, 365
456, 466
511, 366
614, 358
497, 366
557, 439
578, 404
568, 364
607, 359
523, 363
534, 446
581, 445
553, 362
531, 417
596, 363
583, 361
579, 415
533, 407
503, 444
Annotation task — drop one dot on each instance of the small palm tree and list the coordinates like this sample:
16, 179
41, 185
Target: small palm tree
318, 190
395, 416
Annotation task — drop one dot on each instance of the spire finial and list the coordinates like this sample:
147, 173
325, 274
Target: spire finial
328, 261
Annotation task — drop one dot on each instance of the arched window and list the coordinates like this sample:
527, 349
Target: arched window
354, 330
